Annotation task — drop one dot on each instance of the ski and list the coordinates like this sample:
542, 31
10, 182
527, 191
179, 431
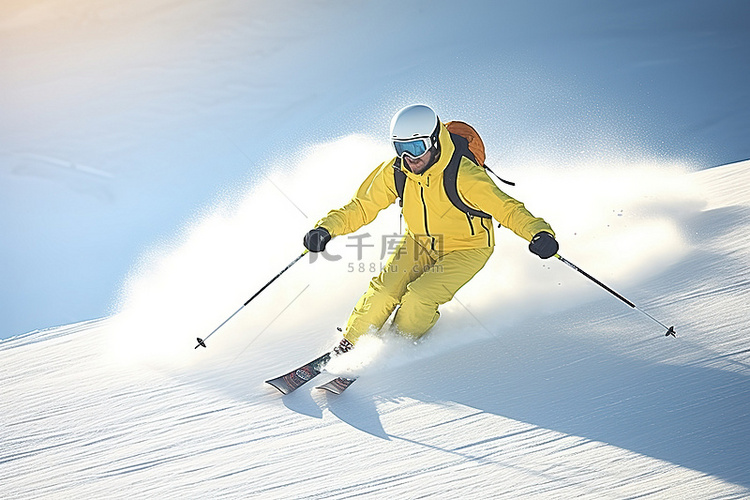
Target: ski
296, 378
337, 385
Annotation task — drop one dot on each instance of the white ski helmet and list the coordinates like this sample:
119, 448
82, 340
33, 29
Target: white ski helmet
414, 130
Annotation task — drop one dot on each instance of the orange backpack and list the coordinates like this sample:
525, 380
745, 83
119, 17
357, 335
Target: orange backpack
476, 145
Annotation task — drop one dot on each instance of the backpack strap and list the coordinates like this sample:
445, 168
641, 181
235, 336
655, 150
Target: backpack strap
400, 178
498, 177
450, 177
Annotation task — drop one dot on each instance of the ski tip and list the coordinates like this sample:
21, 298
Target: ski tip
282, 386
337, 385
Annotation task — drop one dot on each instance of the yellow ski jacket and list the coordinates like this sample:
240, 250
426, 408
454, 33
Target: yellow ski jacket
431, 218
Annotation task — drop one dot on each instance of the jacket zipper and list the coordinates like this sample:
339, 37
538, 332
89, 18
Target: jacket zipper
471, 225
489, 234
424, 210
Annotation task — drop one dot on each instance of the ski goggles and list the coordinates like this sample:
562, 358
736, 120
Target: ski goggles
413, 147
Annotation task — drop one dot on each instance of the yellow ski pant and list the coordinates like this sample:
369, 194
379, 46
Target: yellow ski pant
418, 281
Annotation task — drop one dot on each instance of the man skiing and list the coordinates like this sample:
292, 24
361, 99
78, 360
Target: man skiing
447, 203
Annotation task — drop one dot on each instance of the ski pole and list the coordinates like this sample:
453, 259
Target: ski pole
670, 330
202, 342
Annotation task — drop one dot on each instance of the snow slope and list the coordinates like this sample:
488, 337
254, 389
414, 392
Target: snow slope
534, 384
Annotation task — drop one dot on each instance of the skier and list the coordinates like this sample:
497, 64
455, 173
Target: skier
449, 237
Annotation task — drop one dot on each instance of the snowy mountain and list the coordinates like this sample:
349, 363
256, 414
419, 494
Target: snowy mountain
534, 384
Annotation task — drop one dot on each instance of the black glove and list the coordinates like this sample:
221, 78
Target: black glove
544, 245
316, 239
